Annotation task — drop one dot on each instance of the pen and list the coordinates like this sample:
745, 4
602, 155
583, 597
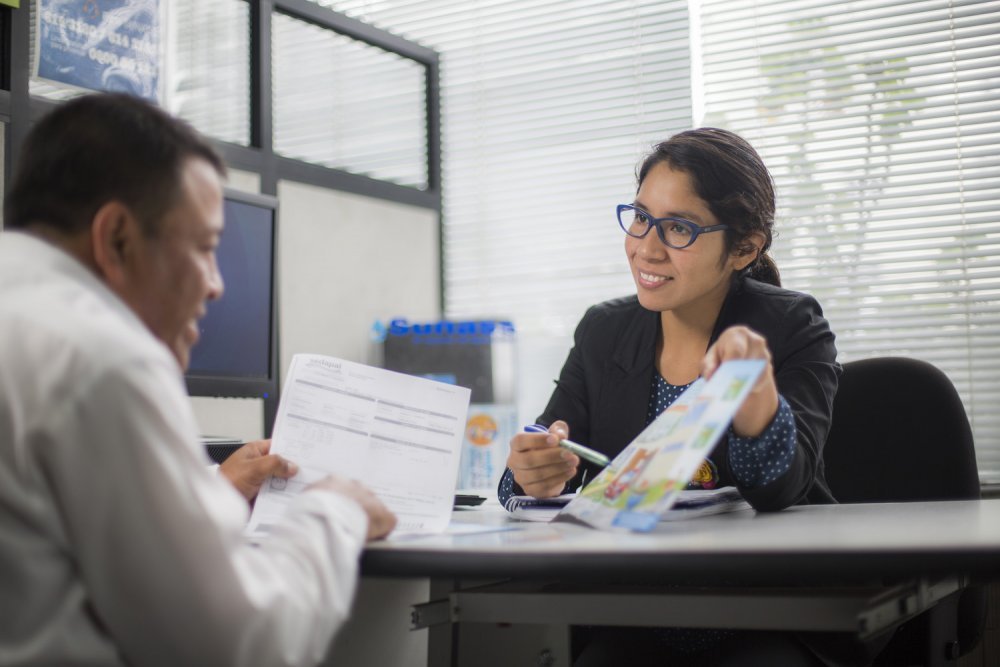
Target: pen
576, 448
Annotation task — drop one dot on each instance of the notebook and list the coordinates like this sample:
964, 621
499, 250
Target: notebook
690, 503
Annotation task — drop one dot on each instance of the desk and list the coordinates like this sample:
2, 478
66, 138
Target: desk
861, 568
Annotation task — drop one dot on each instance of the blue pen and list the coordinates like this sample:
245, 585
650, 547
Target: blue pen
576, 448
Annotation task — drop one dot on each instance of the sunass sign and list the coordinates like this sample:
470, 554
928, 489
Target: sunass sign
472, 332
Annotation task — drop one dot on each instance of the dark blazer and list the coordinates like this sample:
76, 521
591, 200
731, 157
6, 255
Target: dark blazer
604, 388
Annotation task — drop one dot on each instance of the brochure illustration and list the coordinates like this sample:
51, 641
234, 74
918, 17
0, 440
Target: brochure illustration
647, 477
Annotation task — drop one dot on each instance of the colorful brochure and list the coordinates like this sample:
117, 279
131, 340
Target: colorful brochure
647, 477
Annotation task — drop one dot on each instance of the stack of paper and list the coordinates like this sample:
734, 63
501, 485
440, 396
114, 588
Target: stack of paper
529, 508
689, 504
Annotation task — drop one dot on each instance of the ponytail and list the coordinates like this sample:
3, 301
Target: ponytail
765, 270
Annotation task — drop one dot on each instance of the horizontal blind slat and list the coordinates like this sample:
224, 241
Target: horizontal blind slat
879, 122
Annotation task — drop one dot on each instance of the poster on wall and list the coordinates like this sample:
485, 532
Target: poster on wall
111, 45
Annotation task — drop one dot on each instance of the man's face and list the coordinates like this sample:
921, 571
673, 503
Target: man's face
174, 274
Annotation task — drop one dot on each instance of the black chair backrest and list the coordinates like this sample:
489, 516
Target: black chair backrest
899, 433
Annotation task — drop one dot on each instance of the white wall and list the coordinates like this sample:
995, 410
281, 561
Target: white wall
347, 260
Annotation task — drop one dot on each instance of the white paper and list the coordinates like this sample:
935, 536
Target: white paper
398, 434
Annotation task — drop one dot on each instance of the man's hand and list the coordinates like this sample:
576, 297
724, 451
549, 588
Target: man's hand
251, 465
380, 520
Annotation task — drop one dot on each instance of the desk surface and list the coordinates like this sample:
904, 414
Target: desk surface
800, 544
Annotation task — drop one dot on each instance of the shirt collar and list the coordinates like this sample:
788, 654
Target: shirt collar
35, 251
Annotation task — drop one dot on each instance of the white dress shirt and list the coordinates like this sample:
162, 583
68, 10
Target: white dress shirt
118, 545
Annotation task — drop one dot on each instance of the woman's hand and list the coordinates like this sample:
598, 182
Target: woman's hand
540, 466
758, 411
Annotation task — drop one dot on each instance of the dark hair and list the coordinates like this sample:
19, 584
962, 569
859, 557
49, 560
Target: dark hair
728, 174
99, 148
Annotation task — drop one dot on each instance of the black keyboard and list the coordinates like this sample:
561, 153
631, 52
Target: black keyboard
219, 448
465, 500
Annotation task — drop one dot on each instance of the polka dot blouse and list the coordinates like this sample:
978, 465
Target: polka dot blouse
754, 461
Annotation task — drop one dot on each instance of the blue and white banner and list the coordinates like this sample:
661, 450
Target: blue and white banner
111, 45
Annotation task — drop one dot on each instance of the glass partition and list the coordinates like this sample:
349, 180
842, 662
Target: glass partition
342, 103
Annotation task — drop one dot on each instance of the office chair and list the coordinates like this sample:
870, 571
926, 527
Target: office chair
900, 433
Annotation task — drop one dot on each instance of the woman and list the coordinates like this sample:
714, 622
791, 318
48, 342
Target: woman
697, 237
716, 298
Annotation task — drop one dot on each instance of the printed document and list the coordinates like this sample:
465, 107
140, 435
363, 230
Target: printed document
398, 434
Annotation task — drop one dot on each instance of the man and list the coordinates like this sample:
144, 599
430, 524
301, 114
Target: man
118, 544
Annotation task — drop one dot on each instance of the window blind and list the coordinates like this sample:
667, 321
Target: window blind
342, 103
878, 119
546, 109
208, 67
880, 123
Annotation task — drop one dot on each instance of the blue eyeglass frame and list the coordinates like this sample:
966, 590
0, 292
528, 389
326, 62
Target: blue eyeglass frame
696, 229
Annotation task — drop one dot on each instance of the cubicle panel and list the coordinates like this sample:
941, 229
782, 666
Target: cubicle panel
346, 261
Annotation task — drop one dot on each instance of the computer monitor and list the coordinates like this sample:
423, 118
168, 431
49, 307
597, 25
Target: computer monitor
237, 353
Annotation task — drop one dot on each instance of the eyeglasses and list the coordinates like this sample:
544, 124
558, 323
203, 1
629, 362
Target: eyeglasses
675, 232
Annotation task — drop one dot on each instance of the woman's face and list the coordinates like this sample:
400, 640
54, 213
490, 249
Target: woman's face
687, 280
